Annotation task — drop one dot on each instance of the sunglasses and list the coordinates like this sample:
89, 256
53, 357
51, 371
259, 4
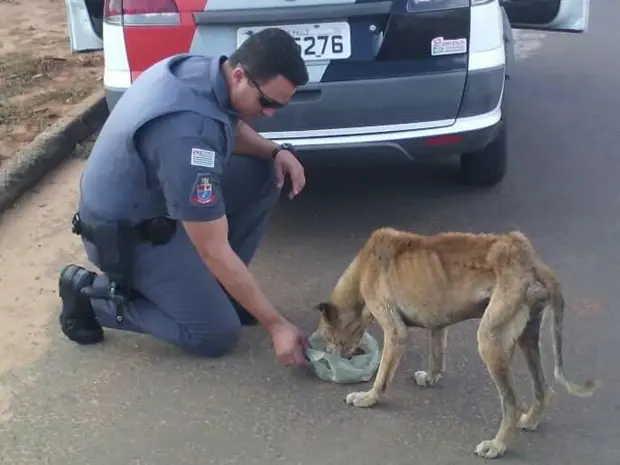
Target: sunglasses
263, 100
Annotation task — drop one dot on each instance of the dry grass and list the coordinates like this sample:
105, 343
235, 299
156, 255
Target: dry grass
39, 77
20, 71
36, 90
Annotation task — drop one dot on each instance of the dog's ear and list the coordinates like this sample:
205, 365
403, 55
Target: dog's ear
328, 310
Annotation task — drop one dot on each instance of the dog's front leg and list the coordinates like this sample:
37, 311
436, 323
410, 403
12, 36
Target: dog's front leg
394, 345
436, 359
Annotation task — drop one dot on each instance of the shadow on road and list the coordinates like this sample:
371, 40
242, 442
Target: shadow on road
355, 199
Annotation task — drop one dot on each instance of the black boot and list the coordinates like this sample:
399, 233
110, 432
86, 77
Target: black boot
77, 318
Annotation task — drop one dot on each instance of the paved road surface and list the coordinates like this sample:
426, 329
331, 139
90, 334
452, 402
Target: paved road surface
137, 401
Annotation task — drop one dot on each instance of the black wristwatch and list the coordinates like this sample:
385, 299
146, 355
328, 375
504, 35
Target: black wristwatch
285, 146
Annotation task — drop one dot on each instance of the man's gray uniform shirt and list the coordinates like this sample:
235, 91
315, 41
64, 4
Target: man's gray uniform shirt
165, 146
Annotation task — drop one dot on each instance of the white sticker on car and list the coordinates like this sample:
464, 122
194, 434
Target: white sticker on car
441, 46
201, 157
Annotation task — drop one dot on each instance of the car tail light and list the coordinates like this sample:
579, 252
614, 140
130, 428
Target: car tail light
448, 139
141, 12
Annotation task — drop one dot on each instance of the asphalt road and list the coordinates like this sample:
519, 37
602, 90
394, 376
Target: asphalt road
137, 401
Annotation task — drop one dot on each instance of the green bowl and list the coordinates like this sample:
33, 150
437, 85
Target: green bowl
330, 367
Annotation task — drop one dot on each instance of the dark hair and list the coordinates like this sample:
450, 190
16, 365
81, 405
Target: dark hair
269, 53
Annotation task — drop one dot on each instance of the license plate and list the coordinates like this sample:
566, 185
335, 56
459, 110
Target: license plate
317, 41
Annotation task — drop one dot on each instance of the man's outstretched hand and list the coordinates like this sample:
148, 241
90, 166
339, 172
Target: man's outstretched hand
286, 164
289, 344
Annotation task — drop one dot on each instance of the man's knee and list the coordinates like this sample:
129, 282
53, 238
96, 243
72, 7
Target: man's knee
248, 180
270, 193
265, 184
215, 344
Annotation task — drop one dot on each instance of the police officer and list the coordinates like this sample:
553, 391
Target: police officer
174, 199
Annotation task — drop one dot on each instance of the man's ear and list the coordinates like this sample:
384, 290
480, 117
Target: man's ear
329, 311
238, 74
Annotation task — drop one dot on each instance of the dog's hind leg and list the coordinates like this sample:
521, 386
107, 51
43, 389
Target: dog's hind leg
500, 327
436, 359
497, 358
394, 345
529, 343
502, 324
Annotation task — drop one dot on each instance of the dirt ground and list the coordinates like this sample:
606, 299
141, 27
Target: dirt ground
35, 255
39, 77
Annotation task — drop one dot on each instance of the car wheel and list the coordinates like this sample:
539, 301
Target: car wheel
486, 167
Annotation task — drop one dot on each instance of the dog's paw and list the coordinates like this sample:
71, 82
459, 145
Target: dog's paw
490, 449
361, 399
528, 422
422, 378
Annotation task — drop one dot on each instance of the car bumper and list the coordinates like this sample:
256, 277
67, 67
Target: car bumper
464, 135
409, 141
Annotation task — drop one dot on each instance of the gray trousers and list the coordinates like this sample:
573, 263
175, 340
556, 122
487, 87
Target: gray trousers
181, 302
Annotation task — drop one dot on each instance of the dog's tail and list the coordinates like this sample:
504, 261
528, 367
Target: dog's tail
557, 320
556, 305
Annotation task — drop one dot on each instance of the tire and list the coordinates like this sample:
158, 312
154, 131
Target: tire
486, 167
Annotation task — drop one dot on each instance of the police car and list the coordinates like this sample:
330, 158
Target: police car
413, 78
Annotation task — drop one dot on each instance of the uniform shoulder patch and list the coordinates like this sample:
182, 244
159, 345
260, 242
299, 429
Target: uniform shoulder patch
202, 157
202, 191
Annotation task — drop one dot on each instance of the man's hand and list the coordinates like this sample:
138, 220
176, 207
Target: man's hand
249, 142
287, 164
289, 343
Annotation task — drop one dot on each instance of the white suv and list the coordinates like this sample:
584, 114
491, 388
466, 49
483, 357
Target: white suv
411, 78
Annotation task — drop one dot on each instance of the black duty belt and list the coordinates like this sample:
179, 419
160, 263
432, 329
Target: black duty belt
157, 231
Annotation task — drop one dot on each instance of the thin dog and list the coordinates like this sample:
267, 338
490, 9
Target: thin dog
402, 280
